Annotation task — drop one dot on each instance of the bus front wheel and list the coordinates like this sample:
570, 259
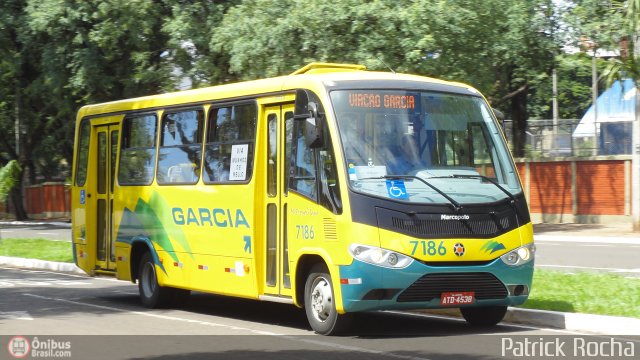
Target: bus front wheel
152, 294
319, 303
484, 316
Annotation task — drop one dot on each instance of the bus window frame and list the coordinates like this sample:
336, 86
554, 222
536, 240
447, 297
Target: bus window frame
202, 135
85, 121
122, 149
321, 195
252, 143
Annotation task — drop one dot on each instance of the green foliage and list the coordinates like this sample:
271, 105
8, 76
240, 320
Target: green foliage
9, 177
629, 66
574, 88
42, 249
553, 290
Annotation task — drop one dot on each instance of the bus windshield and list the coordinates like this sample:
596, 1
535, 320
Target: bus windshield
423, 147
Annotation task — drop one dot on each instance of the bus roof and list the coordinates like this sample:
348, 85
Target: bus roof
313, 75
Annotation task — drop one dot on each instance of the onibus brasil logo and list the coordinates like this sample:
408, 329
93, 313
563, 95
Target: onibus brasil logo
19, 347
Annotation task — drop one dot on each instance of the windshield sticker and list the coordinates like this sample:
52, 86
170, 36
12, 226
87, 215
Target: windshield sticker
239, 158
352, 172
396, 189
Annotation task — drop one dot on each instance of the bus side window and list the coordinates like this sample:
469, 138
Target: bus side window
302, 172
329, 187
83, 152
138, 150
180, 147
231, 135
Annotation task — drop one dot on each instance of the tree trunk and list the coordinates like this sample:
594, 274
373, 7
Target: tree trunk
16, 193
519, 116
16, 200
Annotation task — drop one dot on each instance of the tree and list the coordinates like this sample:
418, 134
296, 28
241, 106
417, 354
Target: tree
574, 88
197, 62
500, 47
59, 55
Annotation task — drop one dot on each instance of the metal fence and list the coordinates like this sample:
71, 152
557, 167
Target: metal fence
544, 139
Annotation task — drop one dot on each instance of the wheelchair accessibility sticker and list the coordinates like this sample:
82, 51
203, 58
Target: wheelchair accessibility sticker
396, 189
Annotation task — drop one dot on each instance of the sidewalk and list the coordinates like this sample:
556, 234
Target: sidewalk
58, 223
591, 233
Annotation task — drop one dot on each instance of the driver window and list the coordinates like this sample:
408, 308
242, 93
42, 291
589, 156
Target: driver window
303, 165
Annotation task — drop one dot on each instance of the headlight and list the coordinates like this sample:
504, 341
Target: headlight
380, 257
519, 256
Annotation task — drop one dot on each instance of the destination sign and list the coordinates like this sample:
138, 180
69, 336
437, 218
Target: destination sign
376, 100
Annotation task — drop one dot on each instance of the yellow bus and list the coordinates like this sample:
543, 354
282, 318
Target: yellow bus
334, 188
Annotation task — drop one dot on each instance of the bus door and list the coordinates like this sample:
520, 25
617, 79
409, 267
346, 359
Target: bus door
276, 258
101, 184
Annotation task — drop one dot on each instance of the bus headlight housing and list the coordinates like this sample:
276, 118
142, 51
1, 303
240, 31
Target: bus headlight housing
519, 256
379, 257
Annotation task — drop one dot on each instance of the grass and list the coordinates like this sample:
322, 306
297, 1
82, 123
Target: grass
584, 292
42, 249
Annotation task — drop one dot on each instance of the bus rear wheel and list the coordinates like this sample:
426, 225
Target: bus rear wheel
152, 294
319, 303
484, 316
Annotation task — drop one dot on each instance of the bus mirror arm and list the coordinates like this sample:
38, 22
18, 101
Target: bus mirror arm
500, 116
312, 126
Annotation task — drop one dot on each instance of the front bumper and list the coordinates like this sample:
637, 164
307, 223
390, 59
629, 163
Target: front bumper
368, 287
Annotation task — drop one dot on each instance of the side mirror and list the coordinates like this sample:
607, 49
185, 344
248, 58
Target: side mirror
309, 111
312, 129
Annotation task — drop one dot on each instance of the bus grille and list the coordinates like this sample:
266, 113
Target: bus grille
429, 287
479, 225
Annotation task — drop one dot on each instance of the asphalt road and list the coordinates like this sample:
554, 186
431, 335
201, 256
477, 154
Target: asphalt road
570, 256
63, 308
45, 230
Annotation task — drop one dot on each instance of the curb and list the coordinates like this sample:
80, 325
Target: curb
596, 324
40, 264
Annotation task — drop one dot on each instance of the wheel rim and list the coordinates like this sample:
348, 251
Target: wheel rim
321, 299
148, 279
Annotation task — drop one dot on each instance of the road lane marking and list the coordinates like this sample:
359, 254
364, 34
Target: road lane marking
615, 270
321, 343
42, 282
15, 315
587, 239
64, 274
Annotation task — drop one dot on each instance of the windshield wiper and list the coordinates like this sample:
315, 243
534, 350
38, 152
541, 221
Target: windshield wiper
455, 204
487, 179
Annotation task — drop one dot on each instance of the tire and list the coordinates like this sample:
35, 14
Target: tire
484, 316
152, 295
319, 303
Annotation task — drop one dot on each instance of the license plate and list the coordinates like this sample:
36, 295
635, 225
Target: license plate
457, 298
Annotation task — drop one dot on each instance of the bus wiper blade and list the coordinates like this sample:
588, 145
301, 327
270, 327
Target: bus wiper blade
455, 204
488, 179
